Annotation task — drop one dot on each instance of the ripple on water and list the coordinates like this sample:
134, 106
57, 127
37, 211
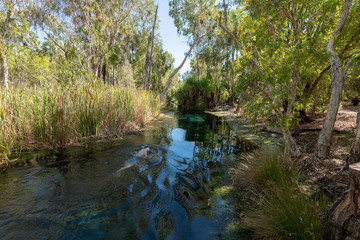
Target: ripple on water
119, 194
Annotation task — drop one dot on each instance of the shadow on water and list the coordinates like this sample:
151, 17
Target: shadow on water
125, 192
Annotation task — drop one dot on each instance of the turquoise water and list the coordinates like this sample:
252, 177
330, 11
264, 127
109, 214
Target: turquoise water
116, 194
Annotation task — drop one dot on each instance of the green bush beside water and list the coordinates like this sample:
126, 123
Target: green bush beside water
276, 201
194, 95
53, 115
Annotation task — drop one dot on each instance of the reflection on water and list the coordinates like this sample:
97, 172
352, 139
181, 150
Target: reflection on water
120, 194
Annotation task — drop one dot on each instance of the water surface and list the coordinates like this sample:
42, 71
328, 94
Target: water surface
115, 194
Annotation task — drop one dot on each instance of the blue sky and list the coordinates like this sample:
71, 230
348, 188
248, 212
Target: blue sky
172, 42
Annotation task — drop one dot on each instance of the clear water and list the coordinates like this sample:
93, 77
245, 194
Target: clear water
115, 194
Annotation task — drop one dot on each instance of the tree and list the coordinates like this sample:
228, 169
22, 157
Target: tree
338, 77
10, 11
193, 19
176, 70
282, 55
149, 56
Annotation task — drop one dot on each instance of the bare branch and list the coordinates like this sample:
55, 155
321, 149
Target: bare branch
225, 27
179, 67
52, 39
347, 64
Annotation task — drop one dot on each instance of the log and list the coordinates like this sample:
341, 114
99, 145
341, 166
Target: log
346, 212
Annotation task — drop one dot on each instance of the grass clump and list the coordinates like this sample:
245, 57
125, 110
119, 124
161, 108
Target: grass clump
276, 202
54, 115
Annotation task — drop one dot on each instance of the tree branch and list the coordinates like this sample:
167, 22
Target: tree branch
225, 27
344, 16
52, 39
179, 67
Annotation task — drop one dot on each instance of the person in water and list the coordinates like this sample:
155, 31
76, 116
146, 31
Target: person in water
143, 152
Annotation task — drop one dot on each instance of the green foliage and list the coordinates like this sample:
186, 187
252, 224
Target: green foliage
27, 66
194, 95
352, 85
279, 203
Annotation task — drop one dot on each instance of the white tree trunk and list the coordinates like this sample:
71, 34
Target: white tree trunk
338, 75
148, 87
324, 141
291, 150
168, 83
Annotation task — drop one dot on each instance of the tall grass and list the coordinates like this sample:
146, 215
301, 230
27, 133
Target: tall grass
53, 115
277, 202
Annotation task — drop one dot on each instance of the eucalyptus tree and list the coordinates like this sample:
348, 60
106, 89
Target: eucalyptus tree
281, 40
163, 64
101, 24
215, 60
339, 69
149, 54
193, 19
12, 23
91, 28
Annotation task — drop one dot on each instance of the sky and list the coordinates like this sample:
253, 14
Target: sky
172, 42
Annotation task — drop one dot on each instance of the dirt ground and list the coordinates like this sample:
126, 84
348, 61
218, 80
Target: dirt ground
329, 173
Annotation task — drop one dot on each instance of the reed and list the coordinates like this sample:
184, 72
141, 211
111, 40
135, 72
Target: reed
54, 115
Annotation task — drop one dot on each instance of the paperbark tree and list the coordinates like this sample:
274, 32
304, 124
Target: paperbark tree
8, 11
338, 73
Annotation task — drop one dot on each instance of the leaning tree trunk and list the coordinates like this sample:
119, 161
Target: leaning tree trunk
169, 81
355, 148
338, 75
324, 141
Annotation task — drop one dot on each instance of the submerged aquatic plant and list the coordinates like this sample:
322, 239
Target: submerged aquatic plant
53, 115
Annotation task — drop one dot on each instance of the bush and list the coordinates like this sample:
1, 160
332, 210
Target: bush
194, 95
277, 206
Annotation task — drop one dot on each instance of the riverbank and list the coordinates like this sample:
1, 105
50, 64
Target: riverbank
53, 116
325, 176
329, 172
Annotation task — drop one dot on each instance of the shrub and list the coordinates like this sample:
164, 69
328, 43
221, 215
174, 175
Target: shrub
277, 206
195, 95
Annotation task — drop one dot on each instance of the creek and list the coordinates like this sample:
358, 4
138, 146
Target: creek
119, 194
